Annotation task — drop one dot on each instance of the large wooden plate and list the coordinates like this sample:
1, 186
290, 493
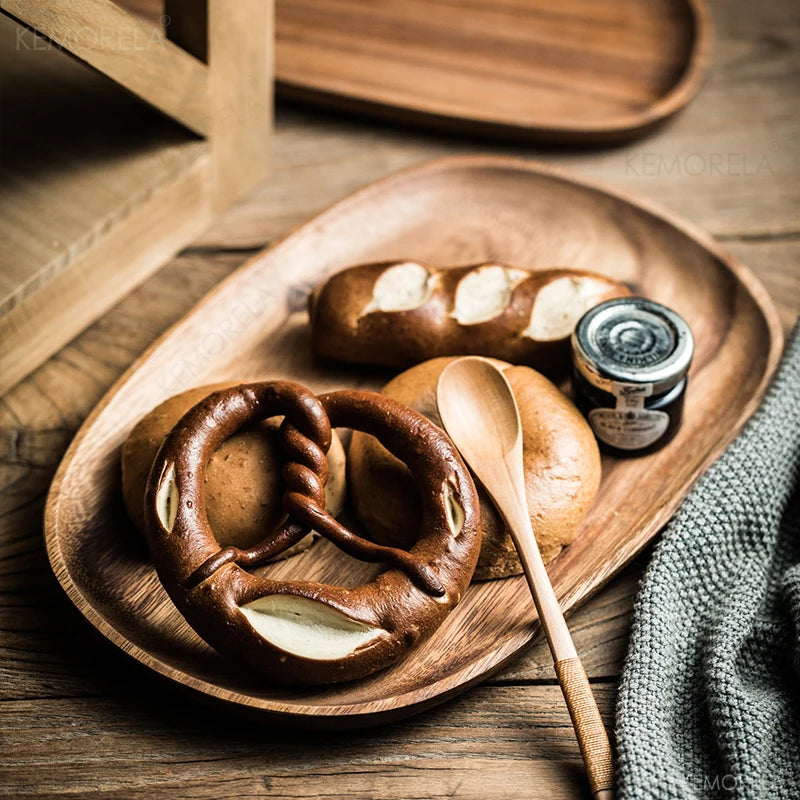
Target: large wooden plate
575, 70
253, 325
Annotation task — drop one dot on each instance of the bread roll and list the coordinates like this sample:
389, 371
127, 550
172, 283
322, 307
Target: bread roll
402, 313
243, 486
560, 454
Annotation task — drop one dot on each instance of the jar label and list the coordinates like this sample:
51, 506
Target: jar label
628, 429
631, 395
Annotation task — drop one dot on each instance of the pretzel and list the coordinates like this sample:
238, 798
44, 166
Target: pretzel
301, 631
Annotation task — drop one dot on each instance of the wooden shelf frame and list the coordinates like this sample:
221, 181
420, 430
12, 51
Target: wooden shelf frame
133, 53
223, 95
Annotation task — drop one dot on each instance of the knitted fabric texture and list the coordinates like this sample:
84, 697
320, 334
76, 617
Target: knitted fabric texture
709, 703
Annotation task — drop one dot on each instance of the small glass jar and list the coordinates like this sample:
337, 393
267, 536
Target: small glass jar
630, 361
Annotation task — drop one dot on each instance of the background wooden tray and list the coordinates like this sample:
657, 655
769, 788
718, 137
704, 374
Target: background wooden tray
568, 71
572, 71
253, 325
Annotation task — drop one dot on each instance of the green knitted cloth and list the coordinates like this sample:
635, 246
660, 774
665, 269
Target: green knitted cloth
709, 703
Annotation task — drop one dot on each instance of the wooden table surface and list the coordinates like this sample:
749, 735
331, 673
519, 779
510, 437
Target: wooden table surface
81, 720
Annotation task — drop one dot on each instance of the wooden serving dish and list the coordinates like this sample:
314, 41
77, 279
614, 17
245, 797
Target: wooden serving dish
567, 71
254, 326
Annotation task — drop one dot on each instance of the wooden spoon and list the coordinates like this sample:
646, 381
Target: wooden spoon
480, 414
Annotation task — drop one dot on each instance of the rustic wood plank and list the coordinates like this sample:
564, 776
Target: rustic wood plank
519, 737
132, 52
84, 221
237, 41
150, 233
98, 188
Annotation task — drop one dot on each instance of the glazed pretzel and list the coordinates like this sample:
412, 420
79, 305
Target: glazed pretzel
297, 631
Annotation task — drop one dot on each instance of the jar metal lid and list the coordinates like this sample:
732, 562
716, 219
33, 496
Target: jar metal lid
635, 341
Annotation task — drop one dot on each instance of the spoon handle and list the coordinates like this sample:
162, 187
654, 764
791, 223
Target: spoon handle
586, 720
588, 725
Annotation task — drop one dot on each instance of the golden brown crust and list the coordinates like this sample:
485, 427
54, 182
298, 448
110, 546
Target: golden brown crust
346, 325
220, 599
560, 454
250, 461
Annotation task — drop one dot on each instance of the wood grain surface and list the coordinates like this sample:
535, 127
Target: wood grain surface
81, 720
574, 71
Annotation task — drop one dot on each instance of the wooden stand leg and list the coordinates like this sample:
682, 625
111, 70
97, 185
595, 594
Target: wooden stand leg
236, 40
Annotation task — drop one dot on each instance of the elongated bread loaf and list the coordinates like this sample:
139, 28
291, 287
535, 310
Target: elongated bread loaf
402, 313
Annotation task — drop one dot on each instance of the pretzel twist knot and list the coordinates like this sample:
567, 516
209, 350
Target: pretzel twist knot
298, 631
305, 474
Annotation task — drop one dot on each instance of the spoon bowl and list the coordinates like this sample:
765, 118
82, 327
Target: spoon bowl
476, 396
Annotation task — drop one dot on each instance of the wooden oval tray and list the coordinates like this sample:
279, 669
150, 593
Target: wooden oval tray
568, 71
254, 325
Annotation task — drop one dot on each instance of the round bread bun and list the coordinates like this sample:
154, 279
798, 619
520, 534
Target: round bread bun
243, 486
560, 455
